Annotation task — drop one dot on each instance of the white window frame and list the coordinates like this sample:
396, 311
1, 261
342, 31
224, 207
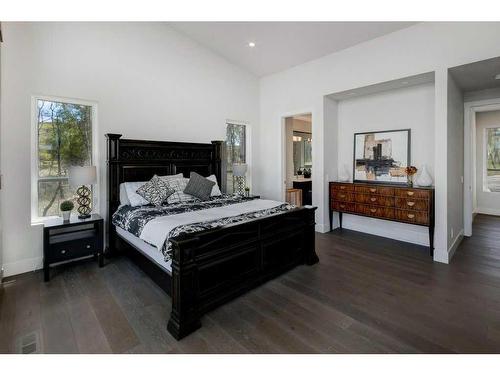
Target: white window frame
35, 219
485, 159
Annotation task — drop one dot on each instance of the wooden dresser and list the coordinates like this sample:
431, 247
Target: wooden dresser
388, 202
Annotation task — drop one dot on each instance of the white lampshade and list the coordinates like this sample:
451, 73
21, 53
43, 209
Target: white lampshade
239, 169
79, 176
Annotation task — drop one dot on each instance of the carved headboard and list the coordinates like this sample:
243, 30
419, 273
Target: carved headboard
138, 160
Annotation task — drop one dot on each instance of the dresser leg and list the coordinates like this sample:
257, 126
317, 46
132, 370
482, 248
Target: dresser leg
331, 219
431, 241
340, 220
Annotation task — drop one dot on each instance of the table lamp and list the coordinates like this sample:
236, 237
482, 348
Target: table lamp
239, 171
81, 177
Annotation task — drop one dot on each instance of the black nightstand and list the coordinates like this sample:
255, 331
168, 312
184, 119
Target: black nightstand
63, 241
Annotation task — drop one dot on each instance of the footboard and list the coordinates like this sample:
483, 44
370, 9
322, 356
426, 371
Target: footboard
212, 267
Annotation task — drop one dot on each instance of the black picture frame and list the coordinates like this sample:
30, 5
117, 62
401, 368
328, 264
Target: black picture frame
408, 158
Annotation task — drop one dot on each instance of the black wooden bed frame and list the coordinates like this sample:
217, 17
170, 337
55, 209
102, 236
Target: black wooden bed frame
213, 266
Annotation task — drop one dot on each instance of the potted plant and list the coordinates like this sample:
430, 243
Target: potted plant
66, 208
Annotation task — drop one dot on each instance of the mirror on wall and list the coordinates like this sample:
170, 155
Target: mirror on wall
302, 153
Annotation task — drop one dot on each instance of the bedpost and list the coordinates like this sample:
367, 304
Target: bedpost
185, 316
113, 147
219, 164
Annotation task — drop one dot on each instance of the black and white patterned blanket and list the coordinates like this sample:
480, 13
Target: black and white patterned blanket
134, 219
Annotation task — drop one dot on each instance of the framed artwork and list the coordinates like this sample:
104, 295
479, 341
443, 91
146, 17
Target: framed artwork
381, 157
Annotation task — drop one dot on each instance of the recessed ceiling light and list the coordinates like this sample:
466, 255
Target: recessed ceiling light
251, 44
497, 76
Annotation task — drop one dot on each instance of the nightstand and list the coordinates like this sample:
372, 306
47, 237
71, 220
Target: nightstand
64, 241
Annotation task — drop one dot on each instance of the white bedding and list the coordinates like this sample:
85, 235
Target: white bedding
156, 231
148, 250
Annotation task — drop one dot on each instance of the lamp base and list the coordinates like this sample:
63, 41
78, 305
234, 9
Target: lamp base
84, 201
84, 216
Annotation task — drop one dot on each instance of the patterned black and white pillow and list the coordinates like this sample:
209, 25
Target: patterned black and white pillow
178, 185
199, 186
156, 191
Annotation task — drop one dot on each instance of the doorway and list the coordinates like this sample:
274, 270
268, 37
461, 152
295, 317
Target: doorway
298, 159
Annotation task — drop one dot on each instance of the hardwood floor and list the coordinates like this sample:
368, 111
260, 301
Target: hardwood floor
367, 295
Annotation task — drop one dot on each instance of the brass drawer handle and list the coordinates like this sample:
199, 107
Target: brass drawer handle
411, 204
373, 199
373, 190
373, 210
342, 187
411, 216
342, 195
410, 193
342, 206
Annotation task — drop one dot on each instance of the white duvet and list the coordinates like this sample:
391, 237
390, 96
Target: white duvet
156, 231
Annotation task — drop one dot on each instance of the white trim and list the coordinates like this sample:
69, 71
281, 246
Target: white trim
22, 266
35, 220
470, 110
487, 211
237, 122
455, 244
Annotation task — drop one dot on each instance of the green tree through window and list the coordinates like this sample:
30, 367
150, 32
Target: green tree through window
493, 159
64, 139
235, 150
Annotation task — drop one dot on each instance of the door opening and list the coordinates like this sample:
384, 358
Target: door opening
298, 159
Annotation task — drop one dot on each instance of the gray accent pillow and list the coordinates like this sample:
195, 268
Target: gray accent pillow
199, 186
156, 191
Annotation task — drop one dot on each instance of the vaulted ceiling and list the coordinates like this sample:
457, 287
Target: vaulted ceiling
281, 45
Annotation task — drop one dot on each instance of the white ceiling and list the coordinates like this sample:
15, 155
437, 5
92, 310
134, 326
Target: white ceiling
477, 76
281, 45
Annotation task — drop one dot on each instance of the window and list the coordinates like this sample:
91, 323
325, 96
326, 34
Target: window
236, 150
63, 137
493, 159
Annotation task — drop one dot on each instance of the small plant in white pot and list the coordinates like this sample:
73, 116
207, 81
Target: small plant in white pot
66, 208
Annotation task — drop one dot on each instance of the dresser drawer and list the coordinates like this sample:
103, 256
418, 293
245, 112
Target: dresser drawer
413, 193
344, 196
61, 251
378, 190
375, 211
341, 186
414, 217
371, 199
343, 206
412, 204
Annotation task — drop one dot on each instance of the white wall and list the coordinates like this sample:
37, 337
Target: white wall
419, 49
150, 82
406, 108
455, 165
486, 202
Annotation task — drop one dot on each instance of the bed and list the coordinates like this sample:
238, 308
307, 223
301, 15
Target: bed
201, 266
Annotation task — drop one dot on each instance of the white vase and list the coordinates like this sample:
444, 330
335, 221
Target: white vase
343, 174
424, 178
66, 215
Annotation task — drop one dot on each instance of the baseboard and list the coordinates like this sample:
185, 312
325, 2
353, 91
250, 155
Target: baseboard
487, 211
455, 244
322, 228
22, 266
376, 227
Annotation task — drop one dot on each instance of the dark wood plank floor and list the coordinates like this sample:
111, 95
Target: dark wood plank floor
367, 295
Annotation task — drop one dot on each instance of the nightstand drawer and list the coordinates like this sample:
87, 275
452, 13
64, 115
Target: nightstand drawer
71, 249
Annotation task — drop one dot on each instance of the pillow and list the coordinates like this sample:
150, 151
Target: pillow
178, 185
155, 191
123, 195
215, 190
135, 199
199, 186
